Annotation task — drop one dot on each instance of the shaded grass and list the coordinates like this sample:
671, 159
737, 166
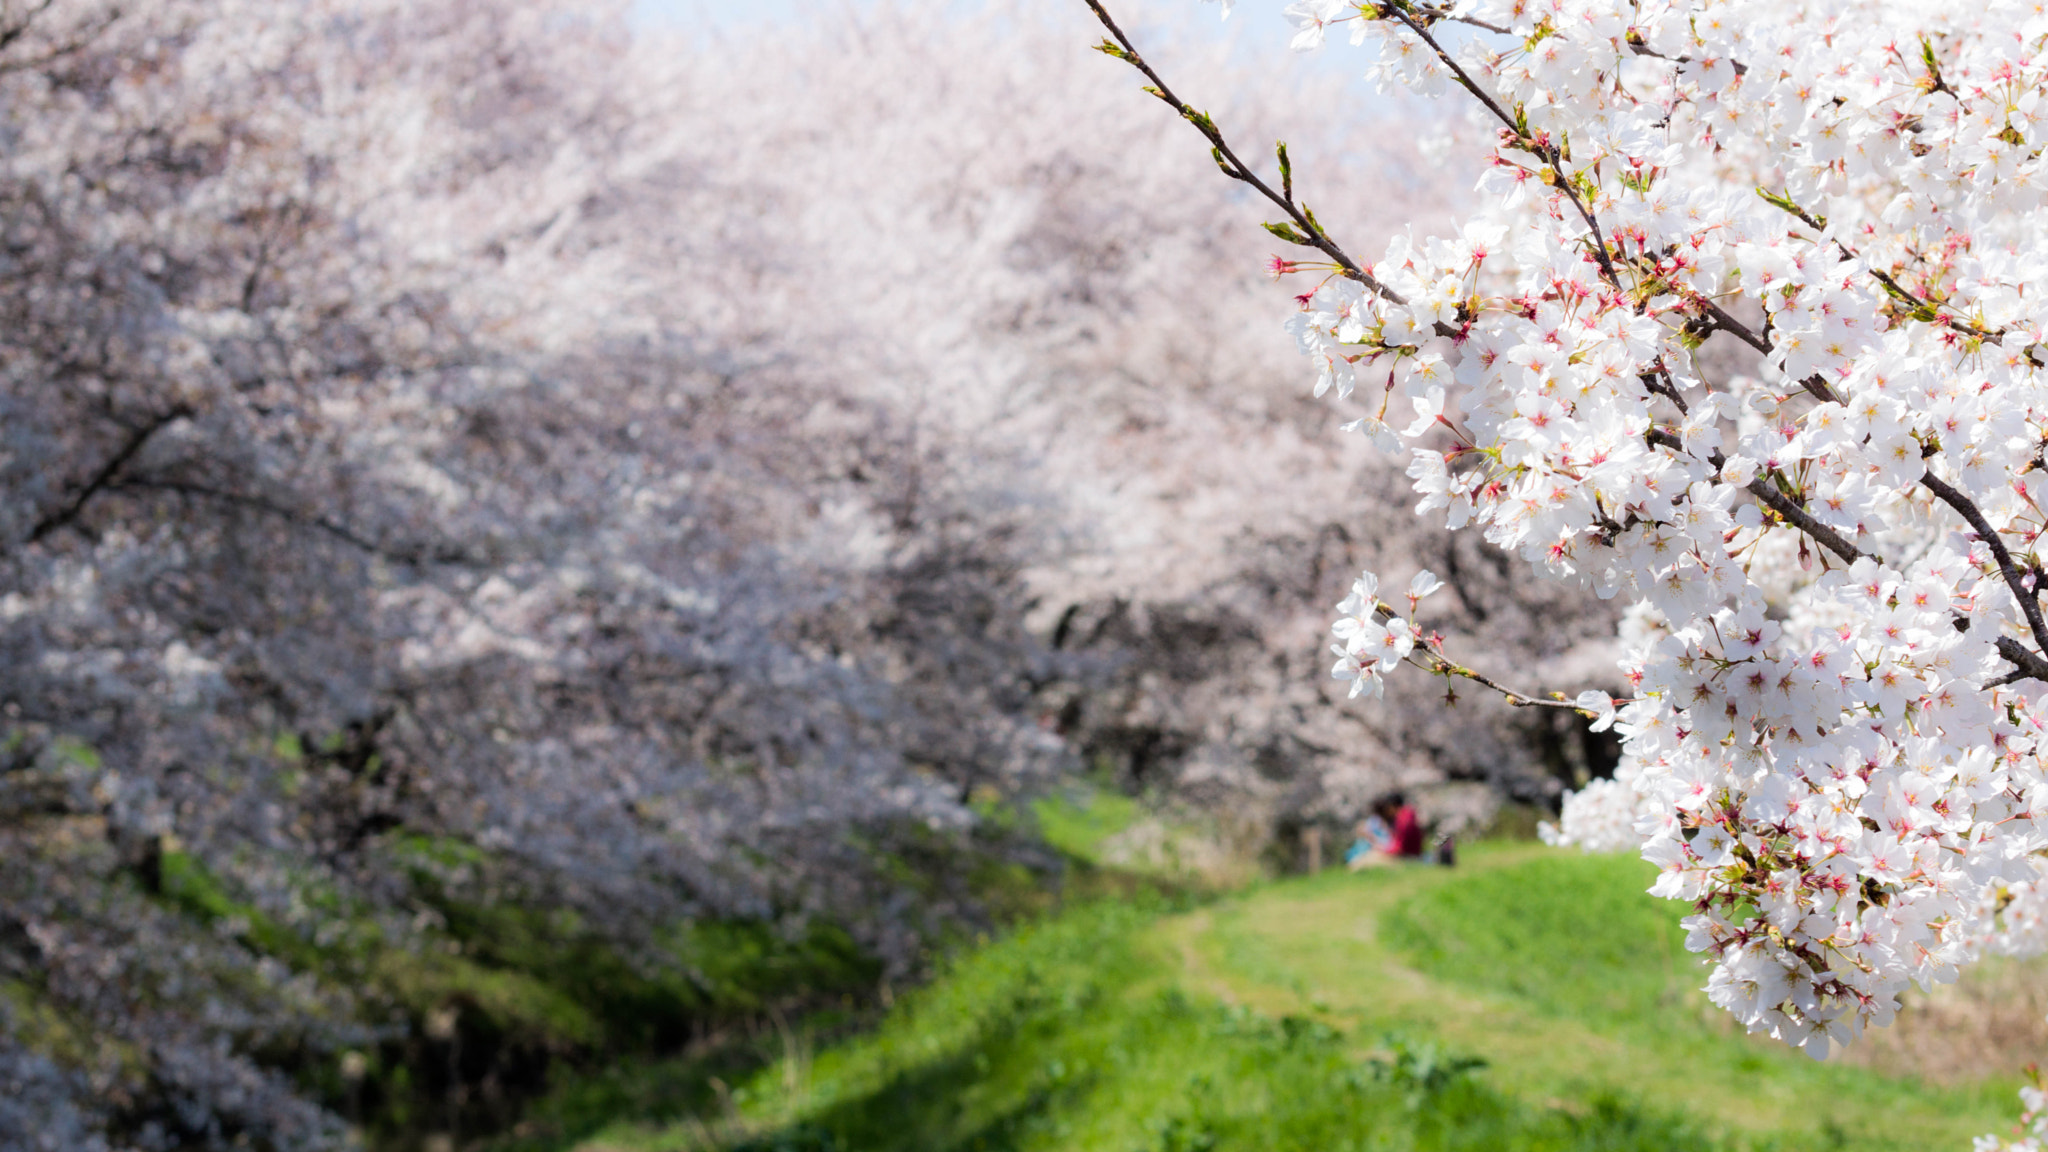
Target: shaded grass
524, 996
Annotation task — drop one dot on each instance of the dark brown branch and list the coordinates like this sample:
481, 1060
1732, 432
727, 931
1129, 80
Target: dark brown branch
1659, 382
1787, 508
57, 52
1722, 321
1929, 311
1637, 47
14, 31
406, 555
1718, 319
69, 511
1789, 511
1235, 168
2028, 665
1965, 507
1929, 307
1635, 43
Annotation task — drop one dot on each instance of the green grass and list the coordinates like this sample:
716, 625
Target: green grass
1568, 939
1073, 1034
1080, 822
1321, 1013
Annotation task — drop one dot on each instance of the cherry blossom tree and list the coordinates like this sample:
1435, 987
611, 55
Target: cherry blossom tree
1833, 646
386, 463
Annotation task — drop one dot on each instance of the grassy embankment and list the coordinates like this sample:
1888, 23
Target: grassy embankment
1319, 1013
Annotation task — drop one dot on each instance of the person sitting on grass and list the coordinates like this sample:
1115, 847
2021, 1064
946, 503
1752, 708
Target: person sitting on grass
1375, 838
1393, 832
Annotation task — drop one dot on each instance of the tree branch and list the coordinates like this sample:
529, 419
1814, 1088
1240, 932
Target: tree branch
1549, 153
2029, 665
1787, 508
2029, 605
1926, 310
411, 555
14, 31
1553, 156
1446, 667
85, 36
1310, 231
1437, 14
70, 509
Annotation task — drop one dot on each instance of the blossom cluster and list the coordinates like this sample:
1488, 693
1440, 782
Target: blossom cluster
1601, 816
1371, 640
1833, 734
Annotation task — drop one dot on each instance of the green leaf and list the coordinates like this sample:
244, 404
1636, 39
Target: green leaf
1287, 232
1785, 203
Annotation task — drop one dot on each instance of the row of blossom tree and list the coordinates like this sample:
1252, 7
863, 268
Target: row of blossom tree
1835, 652
466, 421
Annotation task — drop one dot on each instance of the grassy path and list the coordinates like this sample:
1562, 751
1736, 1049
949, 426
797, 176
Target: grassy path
1254, 1022
1571, 984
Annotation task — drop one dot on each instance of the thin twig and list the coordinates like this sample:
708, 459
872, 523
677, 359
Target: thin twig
1641, 49
1549, 153
1439, 14
1956, 323
1445, 667
1899, 291
1552, 155
1235, 168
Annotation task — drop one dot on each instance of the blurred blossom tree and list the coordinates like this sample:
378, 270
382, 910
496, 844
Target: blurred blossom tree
1834, 649
466, 423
